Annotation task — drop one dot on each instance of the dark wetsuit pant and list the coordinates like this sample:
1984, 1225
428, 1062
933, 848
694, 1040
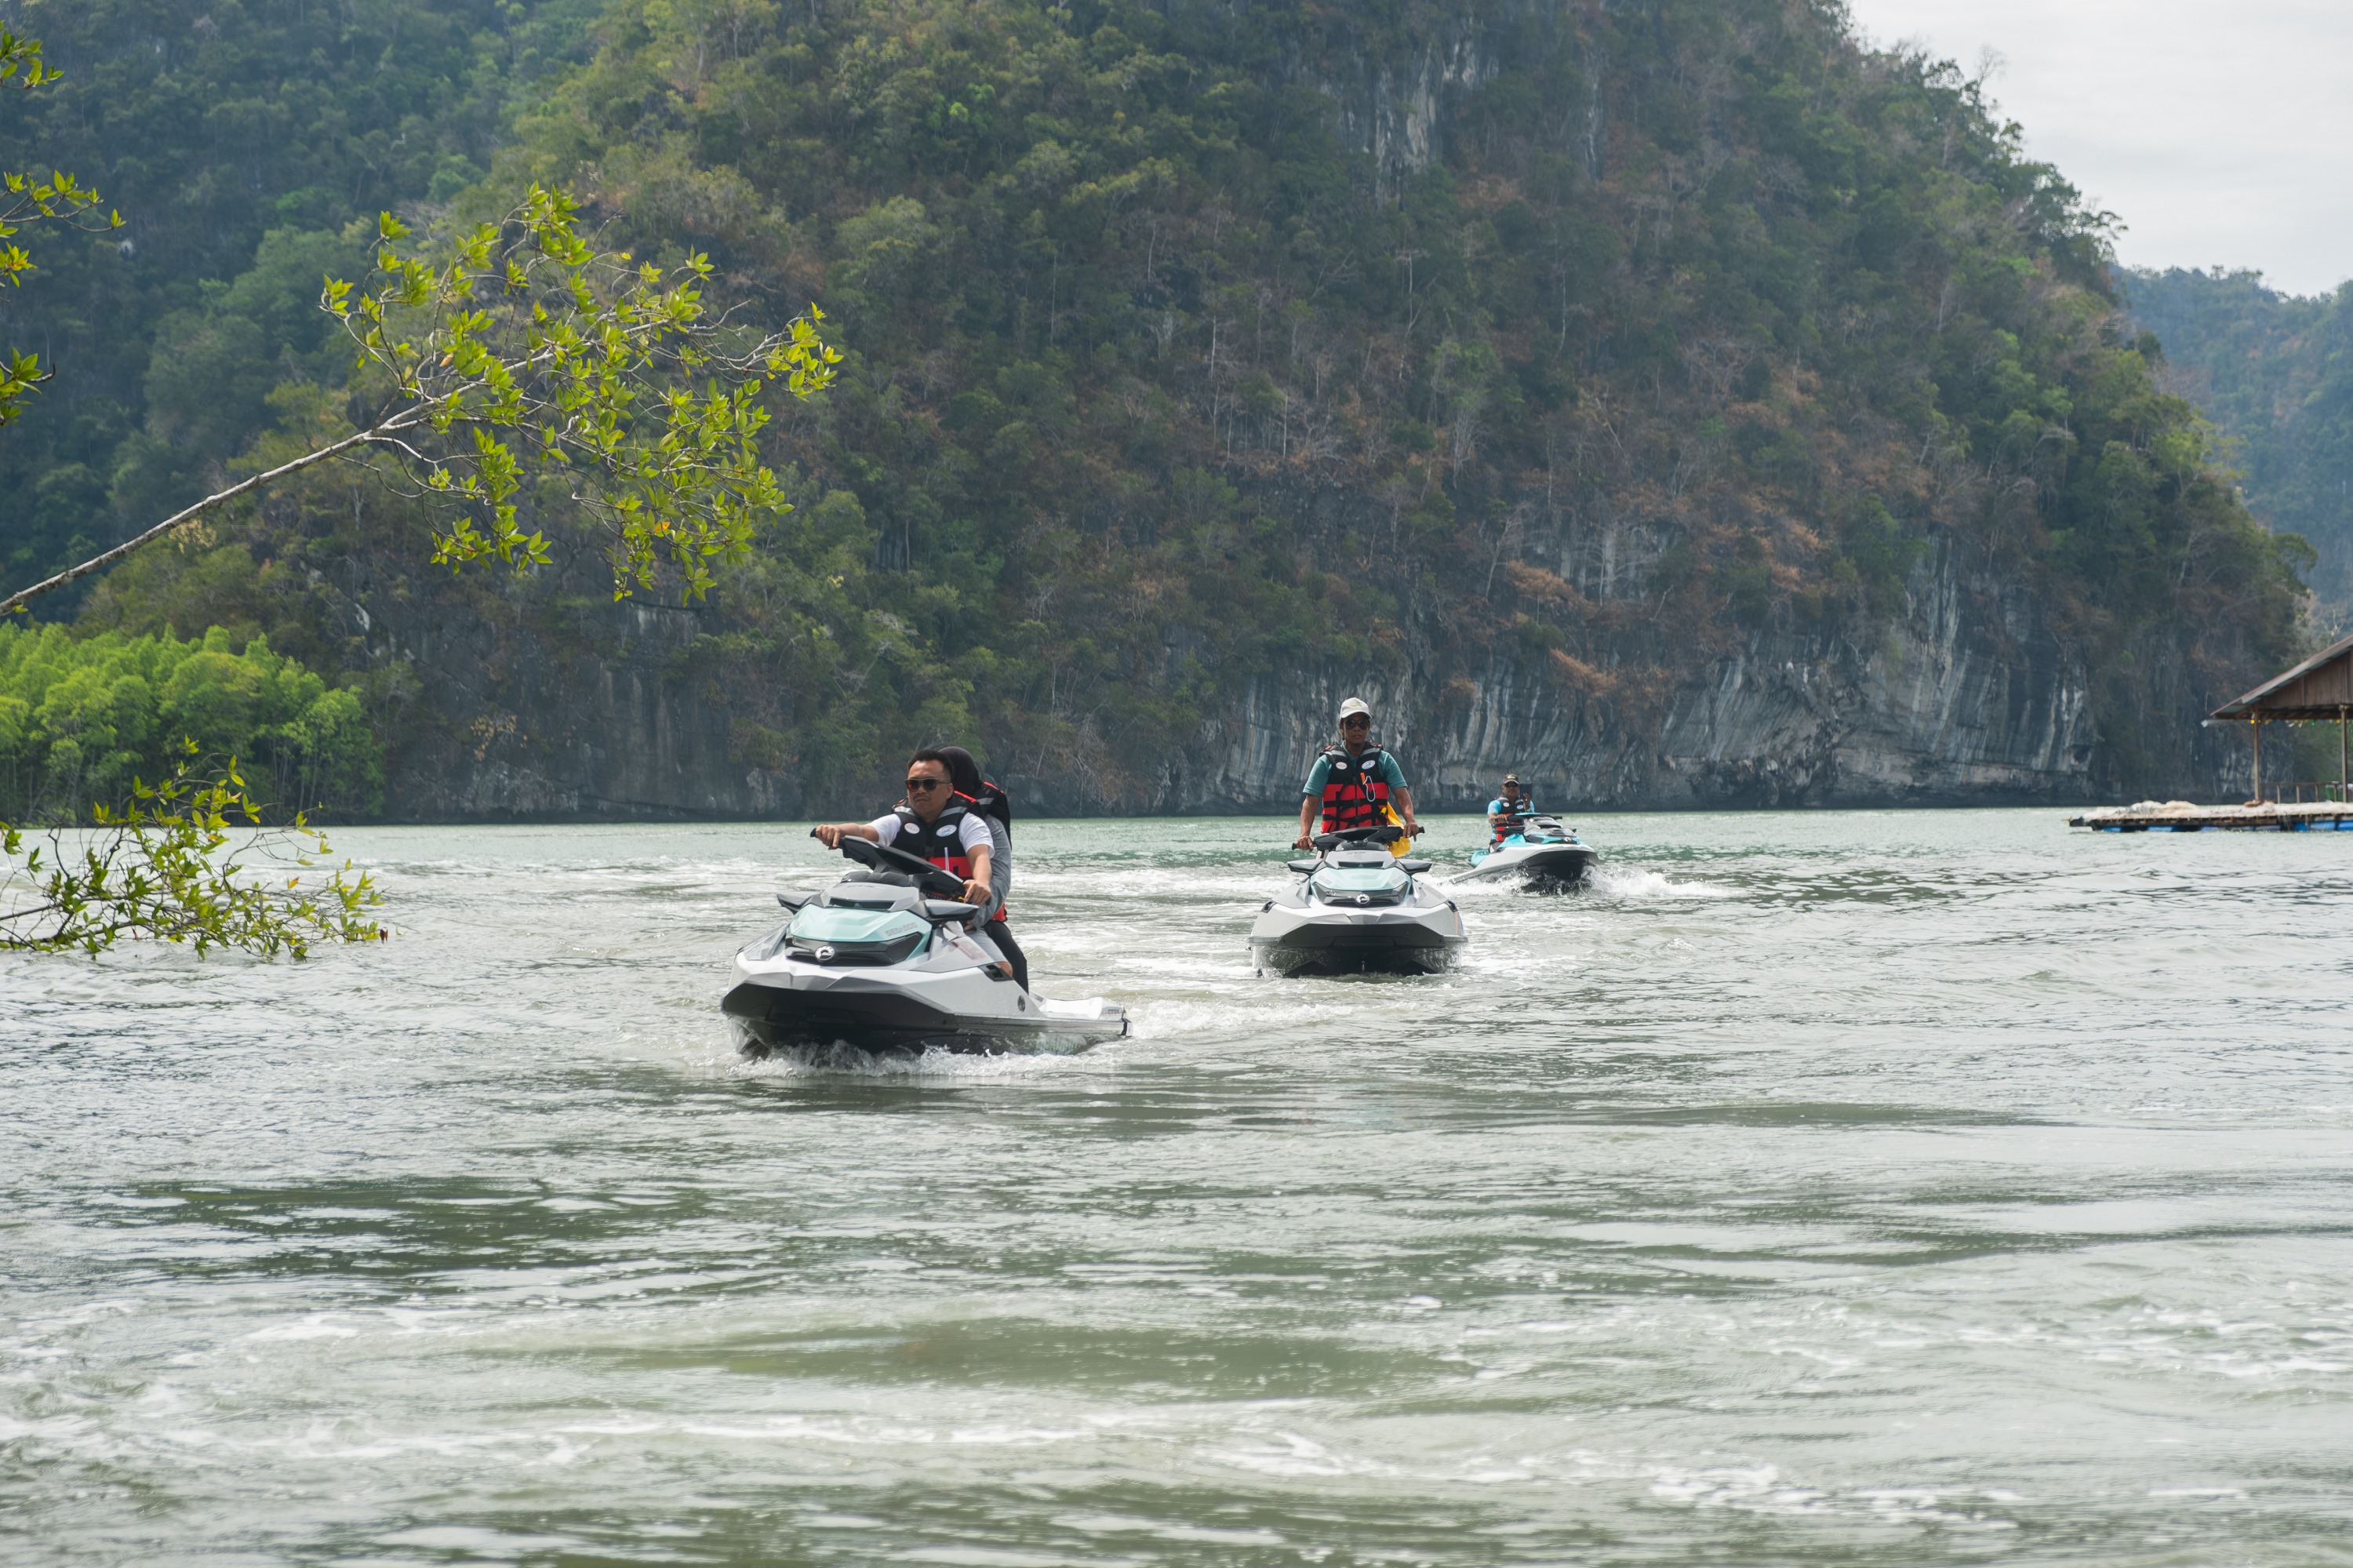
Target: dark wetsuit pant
995, 932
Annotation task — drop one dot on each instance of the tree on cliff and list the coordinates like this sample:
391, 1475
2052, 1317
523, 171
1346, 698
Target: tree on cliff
521, 353
2275, 372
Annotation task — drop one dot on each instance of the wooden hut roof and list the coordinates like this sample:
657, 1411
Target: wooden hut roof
2320, 688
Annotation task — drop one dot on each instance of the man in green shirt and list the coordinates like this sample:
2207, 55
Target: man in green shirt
1355, 783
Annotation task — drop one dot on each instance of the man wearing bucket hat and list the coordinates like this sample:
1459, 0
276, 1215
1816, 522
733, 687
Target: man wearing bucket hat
1355, 783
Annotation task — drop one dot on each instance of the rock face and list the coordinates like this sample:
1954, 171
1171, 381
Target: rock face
524, 729
1967, 697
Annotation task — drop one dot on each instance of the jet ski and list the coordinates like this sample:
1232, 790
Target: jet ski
881, 962
1543, 854
1357, 909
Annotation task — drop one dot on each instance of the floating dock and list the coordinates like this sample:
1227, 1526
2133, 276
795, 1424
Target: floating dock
2182, 817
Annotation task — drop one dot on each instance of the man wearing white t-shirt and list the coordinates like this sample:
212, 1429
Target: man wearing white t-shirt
959, 845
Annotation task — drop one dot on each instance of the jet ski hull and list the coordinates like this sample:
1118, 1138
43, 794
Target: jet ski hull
1291, 936
1314, 948
794, 1010
1538, 865
798, 1006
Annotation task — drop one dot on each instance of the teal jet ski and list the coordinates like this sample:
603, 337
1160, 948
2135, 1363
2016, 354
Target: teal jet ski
1544, 854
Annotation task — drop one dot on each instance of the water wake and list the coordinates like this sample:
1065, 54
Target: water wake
1634, 882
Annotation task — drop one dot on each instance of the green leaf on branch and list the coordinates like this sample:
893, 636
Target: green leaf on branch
60, 198
517, 350
161, 866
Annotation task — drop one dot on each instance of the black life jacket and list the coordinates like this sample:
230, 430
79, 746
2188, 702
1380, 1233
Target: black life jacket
993, 801
940, 842
1515, 818
1354, 794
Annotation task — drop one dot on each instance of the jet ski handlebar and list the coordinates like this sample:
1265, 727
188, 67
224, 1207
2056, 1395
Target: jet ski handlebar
1387, 833
887, 857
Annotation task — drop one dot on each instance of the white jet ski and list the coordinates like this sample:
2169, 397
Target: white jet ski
879, 962
1357, 909
1543, 854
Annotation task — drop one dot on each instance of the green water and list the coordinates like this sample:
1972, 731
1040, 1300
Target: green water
1845, 1187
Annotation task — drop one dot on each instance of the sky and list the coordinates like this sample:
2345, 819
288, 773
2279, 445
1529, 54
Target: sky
2219, 130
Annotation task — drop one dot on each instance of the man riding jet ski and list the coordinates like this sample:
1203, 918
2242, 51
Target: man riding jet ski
1509, 810
1532, 847
883, 959
1358, 785
1357, 909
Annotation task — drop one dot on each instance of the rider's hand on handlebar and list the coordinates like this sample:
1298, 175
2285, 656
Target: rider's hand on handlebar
1412, 828
829, 835
975, 892
1300, 842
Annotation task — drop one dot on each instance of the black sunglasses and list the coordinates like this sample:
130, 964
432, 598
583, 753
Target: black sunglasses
927, 783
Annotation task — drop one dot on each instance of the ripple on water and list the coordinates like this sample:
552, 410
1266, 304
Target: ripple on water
1885, 1188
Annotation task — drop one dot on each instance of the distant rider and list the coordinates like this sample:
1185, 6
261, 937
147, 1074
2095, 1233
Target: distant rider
939, 825
1510, 812
1355, 783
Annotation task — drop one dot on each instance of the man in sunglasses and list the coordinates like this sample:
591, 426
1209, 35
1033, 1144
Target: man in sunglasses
933, 821
1355, 783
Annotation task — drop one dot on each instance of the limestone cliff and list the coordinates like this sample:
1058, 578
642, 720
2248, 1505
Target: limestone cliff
1966, 696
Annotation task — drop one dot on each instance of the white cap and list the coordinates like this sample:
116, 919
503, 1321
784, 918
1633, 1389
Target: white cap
1353, 706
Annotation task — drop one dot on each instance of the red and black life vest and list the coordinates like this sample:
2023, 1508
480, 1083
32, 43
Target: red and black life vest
1354, 794
1515, 818
940, 841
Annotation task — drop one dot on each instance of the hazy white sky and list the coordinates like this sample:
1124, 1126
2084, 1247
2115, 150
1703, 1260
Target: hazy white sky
2219, 130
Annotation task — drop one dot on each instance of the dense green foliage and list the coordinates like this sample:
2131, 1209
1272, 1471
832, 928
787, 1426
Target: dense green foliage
1192, 346
521, 355
85, 719
2275, 375
242, 143
27, 199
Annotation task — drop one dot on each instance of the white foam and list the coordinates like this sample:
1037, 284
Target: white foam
1634, 882
848, 1061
